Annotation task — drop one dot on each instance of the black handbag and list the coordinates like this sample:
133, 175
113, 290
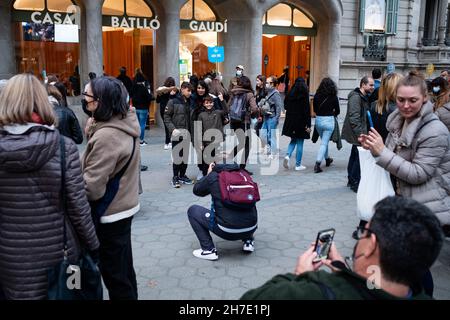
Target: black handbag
73, 281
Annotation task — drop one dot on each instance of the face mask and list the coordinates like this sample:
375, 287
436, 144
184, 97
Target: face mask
268, 86
238, 73
84, 105
436, 89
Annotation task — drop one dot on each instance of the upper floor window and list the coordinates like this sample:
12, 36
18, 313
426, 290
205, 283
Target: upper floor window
41, 5
285, 15
197, 10
379, 16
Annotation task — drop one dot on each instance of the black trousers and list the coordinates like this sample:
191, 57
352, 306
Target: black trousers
116, 259
161, 112
180, 157
243, 140
353, 167
205, 164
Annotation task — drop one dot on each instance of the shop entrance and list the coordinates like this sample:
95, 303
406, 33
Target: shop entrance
287, 34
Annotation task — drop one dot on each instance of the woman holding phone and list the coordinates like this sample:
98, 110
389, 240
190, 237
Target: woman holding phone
416, 151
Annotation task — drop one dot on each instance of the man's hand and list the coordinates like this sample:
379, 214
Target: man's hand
305, 262
211, 167
333, 255
220, 96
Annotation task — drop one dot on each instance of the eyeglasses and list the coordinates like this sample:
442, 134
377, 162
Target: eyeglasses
362, 233
88, 95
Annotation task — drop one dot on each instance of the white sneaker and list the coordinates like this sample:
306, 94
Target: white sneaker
143, 143
206, 255
286, 162
249, 246
170, 145
300, 168
166, 147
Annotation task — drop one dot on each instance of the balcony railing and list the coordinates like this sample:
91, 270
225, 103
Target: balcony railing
429, 42
375, 49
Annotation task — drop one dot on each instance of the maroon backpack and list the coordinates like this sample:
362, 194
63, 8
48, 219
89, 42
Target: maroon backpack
237, 189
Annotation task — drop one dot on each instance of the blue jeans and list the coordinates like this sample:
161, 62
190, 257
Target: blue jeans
142, 117
270, 136
295, 142
325, 128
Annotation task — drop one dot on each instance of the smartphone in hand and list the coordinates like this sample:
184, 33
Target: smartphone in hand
369, 117
323, 244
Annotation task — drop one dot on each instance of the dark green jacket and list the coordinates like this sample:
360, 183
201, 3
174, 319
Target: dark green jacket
320, 285
355, 122
177, 114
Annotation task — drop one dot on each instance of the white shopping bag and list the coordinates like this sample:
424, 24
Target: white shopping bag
375, 185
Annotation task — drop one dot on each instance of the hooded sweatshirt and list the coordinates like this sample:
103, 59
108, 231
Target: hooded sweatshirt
109, 148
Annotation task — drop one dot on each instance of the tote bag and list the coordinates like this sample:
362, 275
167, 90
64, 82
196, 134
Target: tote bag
375, 185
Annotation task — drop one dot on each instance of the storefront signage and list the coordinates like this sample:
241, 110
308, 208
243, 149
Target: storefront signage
135, 22
211, 26
53, 17
390, 68
216, 54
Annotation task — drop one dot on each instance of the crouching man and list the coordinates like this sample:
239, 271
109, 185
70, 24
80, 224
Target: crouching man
393, 254
228, 221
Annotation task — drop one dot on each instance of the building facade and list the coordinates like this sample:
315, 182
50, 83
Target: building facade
343, 39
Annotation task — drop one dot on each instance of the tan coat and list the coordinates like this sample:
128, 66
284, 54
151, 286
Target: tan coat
418, 157
109, 147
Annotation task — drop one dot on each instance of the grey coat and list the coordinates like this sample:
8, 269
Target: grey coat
443, 114
31, 216
355, 122
418, 157
276, 103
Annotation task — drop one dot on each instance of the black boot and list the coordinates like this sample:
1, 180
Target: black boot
328, 161
317, 168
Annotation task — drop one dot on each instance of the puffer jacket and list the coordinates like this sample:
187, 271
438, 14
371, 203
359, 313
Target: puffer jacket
109, 148
418, 157
225, 217
177, 114
355, 122
31, 216
443, 114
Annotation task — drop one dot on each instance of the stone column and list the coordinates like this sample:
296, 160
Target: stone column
334, 51
421, 22
442, 11
91, 44
8, 64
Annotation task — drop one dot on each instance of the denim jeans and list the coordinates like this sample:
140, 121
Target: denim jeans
269, 133
199, 220
325, 128
142, 117
295, 142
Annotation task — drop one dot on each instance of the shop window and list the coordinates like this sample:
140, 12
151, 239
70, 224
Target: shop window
280, 15
32, 5
113, 8
59, 5
197, 10
138, 8
301, 20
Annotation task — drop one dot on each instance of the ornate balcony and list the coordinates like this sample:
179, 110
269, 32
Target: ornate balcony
426, 42
375, 49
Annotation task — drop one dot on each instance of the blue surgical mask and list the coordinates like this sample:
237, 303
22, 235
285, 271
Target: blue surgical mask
436, 89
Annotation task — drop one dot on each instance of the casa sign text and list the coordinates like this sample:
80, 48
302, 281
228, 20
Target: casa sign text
53, 18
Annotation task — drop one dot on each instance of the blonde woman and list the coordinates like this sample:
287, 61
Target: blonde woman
441, 97
31, 215
385, 105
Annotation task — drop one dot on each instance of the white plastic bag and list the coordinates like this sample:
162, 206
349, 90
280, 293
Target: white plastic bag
374, 186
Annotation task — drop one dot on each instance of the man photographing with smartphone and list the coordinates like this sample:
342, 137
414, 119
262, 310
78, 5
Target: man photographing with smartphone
393, 253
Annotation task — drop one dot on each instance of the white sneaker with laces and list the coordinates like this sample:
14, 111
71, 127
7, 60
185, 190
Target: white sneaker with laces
249, 246
206, 255
300, 168
286, 162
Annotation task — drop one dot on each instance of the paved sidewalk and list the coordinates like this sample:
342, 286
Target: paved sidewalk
294, 206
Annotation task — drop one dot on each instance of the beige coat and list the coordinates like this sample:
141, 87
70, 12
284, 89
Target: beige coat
418, 157
109, 147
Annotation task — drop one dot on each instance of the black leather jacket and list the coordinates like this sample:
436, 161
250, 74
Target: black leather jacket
68, 123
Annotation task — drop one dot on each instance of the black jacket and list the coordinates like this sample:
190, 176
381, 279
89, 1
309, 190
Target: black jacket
68, 123
127, 83
298, 117
141, 96
177, 114
229, 218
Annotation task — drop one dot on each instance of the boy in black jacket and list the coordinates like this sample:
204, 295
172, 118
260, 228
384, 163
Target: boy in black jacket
229, 224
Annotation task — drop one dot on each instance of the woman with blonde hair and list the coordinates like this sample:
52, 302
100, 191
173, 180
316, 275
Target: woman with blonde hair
385, 105
31, 214
441, 97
